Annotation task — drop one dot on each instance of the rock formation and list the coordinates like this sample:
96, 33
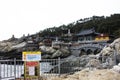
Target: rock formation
109, 49
86, 74
50, 52
11, 46
116, 68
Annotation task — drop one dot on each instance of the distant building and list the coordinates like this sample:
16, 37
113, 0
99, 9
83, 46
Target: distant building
91, 35
87, 35
102, 37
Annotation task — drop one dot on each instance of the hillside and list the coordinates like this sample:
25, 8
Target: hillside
102, 24
109, 25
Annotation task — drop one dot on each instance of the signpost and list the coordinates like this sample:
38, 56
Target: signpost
31, 56
31, 65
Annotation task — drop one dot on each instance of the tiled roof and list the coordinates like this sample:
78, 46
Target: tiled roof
86, 32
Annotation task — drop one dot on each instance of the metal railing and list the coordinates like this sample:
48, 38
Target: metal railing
11, 68
48, 67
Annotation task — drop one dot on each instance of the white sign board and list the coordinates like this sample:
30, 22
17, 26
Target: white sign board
32, 71
31, 56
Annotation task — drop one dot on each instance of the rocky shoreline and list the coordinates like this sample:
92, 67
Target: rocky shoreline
86, 74
13, 49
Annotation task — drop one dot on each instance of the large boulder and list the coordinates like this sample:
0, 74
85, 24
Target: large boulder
20, 45
112, 50
72, 64
6, 46
46, 56
50, 52
47, 50
109, 49
61, 53
94, 63
116, 44
86, 74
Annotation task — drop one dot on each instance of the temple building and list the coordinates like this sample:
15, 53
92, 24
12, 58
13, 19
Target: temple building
91, 35
87, 35
101, 37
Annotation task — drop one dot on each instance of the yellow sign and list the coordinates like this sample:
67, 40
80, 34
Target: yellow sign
31, 65
31, 56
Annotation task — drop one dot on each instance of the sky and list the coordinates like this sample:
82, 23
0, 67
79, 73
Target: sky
18, 17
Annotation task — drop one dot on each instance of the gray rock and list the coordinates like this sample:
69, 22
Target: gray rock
94, 63
57, 54
61, 53
46, 56
20, 45
71, 64
47, 50
109, 49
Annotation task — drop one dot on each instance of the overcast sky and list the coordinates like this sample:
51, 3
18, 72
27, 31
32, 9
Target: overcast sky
20, 17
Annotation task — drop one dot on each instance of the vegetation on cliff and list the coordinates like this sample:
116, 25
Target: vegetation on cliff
102, 24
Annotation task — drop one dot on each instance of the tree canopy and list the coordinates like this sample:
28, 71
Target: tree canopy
102, 24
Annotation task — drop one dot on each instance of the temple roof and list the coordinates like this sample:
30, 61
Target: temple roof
87, 32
